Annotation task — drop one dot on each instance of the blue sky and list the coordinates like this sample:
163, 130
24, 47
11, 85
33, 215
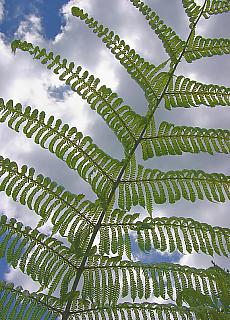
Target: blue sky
17, 10
27, 82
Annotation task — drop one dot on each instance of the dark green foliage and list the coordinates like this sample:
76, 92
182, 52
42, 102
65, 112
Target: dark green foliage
92, 271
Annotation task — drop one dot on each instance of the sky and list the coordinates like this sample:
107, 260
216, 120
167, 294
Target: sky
50, 24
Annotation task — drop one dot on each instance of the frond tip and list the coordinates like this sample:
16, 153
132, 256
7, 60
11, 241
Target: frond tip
143, 72
171, 41
119, 117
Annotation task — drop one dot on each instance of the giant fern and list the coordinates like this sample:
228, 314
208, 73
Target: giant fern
91, 274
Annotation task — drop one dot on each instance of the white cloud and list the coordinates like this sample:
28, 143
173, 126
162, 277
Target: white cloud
19, 279
30, 29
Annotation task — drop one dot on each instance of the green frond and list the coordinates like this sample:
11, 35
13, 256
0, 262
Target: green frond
86, 310
193, 10
79, 152
91, 275
211, 7
171, 41
143, 72
45, 259
139, 280
200, 47
186, 93
143, 186
216, 7
67, 211
19, 304
184, 235
175, 140
119, 117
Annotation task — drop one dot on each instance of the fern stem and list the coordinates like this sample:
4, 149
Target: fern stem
174, 178
66, 313
185, 135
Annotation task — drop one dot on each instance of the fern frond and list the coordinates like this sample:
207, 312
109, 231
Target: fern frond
79, 152
19, 304
141, 280
200, 47
140, 185
175, 140
67, 211
119, 117
143, 72
193, 11
44, 259
184, 92
171, 41
216, 7
184, 235
86, 310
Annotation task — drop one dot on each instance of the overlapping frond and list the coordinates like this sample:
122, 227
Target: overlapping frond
143, 186
143, 72
138, 311
171, 41
175, 140
192, 9
16, 303
119, 117
199, 47
216, 7
67, 211
184, 235
140, 280
184, 92
68, 144
44, 259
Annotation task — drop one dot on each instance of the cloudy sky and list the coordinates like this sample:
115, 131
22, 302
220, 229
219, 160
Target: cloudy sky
49, 24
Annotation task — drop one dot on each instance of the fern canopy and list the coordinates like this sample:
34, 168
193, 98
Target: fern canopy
86, 267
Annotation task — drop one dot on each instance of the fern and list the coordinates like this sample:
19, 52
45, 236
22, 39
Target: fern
120, 118
216, 7
199, 47
174, 140
171, 41
21, 304
86, 264
145, 280
184, 92
143, 72
164, 234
